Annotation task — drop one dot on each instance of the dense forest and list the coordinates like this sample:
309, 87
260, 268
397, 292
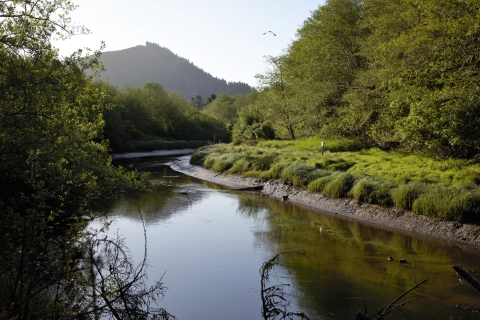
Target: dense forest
396, 74
152, 63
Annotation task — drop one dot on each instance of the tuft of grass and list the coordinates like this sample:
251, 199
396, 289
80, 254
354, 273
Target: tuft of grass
299, 173
404, 195
458, 204
340, 185
373, 191
225, 162
198, 156
318, 185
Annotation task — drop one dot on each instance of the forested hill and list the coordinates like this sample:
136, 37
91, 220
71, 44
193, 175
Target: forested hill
153, 63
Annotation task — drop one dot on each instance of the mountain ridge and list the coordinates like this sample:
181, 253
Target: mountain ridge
140, 64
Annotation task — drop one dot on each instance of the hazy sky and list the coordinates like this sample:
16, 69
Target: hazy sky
222, 37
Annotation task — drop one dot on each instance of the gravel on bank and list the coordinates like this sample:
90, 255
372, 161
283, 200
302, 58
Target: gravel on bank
383, 216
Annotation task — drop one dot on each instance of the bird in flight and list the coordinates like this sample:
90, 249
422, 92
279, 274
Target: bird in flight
270, 32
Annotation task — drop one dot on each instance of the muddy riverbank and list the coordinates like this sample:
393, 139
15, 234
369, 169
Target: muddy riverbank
387, 217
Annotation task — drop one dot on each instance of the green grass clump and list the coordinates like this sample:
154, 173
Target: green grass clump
373, 191
318, 185
458, 203
198, 157
340, 185
225, 162
404, 195
299, 173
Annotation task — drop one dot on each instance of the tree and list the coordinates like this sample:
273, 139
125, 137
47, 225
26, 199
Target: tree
199, 103
55, 168
252, 124
424, 58
323, 62
280, 108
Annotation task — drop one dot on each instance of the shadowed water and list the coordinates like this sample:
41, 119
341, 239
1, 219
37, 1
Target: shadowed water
210, 244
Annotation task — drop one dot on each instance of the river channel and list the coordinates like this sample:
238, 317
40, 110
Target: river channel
210, 243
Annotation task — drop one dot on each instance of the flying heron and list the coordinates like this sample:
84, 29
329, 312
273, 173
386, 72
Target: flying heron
270, 32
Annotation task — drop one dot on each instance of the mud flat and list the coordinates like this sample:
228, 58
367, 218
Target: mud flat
391, 218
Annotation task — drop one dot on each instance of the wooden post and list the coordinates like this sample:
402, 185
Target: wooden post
322, 148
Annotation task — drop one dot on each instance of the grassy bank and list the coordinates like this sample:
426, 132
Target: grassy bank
447, 189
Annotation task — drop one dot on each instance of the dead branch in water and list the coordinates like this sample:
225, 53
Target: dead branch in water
274, 305
464, 274
382, 313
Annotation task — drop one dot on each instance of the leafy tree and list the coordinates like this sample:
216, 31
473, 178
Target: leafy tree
55, 168
424, 55
252, 124
323, 62
280, 105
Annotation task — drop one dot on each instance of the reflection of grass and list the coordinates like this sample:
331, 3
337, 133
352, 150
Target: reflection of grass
372, 176
348, 260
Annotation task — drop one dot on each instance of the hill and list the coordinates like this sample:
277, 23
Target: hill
152, 63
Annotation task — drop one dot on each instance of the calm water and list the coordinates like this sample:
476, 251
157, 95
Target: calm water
212, 243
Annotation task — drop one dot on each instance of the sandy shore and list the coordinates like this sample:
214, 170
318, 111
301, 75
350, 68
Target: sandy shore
391, 218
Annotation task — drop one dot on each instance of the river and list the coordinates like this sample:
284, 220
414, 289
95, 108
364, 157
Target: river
210, 243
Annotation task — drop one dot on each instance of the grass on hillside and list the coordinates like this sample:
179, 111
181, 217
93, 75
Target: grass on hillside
447, 189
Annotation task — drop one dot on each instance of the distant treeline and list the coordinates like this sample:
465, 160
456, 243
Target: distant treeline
394, 73
134, 116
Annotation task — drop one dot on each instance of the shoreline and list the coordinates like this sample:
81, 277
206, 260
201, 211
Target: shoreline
388, 217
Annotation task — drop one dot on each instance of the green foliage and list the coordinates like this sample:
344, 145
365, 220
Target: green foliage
252, 124
55, 167
134, 114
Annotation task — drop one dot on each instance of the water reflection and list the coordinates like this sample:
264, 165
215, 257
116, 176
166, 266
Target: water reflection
212, 243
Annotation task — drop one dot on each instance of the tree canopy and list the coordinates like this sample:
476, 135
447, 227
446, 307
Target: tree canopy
401, 73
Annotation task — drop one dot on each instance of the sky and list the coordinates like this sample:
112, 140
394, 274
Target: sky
223, 37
